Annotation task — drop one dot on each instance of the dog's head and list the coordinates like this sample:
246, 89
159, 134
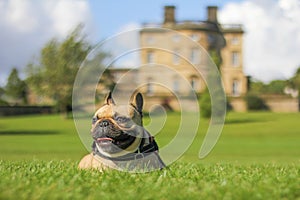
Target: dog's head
117, 129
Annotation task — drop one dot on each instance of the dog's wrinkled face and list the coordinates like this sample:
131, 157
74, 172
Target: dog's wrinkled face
118, 128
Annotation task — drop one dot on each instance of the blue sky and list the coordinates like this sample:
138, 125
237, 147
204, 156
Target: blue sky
110, 16
271, 41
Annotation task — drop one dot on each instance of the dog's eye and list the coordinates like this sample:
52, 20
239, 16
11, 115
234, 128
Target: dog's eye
121, 119
94, 120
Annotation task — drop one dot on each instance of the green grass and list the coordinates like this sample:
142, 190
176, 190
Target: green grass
256, 157
48, 137
62, 180
246, 138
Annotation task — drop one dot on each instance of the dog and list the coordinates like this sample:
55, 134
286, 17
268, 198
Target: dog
120, 140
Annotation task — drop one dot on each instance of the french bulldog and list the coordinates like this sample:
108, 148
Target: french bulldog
120, 140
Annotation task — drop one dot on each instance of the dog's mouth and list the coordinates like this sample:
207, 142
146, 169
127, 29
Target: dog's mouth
104, 140
118, 143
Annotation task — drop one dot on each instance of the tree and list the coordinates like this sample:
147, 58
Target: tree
277, 86
54, 72
16, 89
205, 104
295, 82
2, 92
254, 102
216, 58
205, 99
274, 87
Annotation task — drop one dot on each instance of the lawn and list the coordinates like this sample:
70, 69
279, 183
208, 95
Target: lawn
256, 157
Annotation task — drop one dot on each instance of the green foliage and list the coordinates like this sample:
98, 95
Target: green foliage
205, 105
277, 86
295, 80
213, 78
2, 102
216, 58
54, 73
274, 87
254, 102
15, 88
295, 84
2, 92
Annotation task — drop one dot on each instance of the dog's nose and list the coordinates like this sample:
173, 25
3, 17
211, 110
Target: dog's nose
104, 123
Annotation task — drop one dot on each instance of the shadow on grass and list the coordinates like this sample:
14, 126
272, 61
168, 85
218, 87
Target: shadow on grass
28, 132
244, 121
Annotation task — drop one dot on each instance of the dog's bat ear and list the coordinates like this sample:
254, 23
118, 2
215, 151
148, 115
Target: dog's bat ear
109, 100
138, 102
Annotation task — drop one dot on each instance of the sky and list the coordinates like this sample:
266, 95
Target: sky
271, 40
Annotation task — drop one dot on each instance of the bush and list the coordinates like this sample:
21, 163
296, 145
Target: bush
205, 105
254, 102
3, 103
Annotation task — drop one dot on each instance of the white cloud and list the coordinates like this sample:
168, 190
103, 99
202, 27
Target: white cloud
26, 26
16, 14
66, 14
272, 38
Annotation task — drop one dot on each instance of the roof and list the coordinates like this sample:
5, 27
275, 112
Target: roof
232, 28
194, 25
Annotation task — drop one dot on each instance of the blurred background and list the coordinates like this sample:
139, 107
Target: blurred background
254, 43
266, 49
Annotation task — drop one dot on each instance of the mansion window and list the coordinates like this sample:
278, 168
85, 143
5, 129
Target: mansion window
235, 59
194, 83
176, 38
150, 40
176, 57
195, 37
235, 40
195, 56
150, 57
235, 88
176, 86
150, 89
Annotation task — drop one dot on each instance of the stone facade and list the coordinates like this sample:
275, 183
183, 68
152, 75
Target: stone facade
281, 103
226, 41
235, 82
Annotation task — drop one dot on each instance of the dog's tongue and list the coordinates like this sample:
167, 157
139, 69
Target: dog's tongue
105, 139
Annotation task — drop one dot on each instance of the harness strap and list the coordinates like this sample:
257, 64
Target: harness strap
147, 146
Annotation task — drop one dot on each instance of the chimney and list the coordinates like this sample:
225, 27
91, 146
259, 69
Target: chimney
169, 15
212, 12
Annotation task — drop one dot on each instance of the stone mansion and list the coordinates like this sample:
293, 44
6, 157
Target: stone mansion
226, 41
